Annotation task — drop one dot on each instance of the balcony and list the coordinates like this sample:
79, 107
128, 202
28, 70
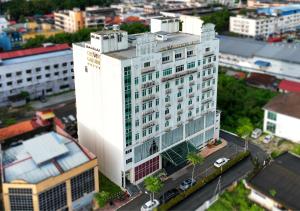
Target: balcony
147, 98
149, 124
151, 111
168, 91
168, 116
208, 77
148, 84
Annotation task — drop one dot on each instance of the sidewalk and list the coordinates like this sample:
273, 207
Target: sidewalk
53, 100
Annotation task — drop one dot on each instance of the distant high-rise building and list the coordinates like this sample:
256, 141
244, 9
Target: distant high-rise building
145, 101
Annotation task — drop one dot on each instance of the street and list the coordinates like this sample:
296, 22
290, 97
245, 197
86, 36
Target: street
197, 199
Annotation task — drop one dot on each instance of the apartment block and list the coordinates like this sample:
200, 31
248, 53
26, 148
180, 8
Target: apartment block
39, 71
95, 16
266, 21
48, 172
145, 101
69, 20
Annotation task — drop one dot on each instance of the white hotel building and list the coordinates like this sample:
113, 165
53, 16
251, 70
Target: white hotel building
144, 101
39, 71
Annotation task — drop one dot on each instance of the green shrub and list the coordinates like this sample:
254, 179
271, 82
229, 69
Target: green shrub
199, 184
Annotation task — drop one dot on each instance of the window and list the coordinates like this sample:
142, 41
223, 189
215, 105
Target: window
137, 136
191, 77
48, 75
144, 106
29, 79
147, 64
19, 81
190, 65
199, 62
190, 89
129, 161
19, 73
182, 80
83, 184
189, 53
179, 94
167, 124
179, 68
144, 78
65, 71
178, 56
156, 115
144, 92
167, 111
136, 80
56, 66
39, 77
165, 58
271, 127
56, 73
136, 95
38, 69
64, 64
119, 37
128, 151
150, 76
167, 72
190, 102
207, 49
157, 101
157, 88
137, 122
28, 71
178, 106
177, 81
156, 127
9, 83
20, 199
178, 119
8, 75
167, 85
136, 109
157, 74
272, 115
54, 198
190, 114
144, 133
47, 67
71, 63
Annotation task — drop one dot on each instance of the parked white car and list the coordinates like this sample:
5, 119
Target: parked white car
221, 162
268, 138
150, 205
256, 133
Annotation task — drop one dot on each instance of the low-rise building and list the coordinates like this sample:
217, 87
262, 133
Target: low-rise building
280, 60
38, 71
95, 16
48, 172
282, 116
277, 185
266, 21
286, 86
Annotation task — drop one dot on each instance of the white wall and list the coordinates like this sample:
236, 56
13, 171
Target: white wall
286, 127
100, 112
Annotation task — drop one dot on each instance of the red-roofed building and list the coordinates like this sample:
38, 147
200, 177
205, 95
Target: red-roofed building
33, 51
289, 86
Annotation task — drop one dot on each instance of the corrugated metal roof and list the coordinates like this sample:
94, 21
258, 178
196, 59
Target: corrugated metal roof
19, 164
45, 147
251, 48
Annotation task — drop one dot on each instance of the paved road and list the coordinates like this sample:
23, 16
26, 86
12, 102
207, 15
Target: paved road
234, 174
197, 199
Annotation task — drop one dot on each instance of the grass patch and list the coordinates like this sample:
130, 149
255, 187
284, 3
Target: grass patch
296, 149
107, 185
237, 199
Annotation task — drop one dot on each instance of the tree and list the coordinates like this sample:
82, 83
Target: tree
245, 127
102, 198
153, 185
134, 28
194, 159
219, 18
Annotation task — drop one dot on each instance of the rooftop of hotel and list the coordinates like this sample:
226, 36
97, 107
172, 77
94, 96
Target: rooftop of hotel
33, 52
280, 10
173, 39
250, 48
42, 157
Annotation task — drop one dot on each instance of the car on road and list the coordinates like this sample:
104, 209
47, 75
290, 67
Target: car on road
221, 162
256, 133
267, 139
150, 205
167, 196
186, 184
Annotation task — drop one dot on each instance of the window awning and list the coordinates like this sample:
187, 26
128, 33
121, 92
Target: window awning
177, 155
261, 63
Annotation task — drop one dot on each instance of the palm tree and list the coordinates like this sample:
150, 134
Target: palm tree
194, 159
153, 185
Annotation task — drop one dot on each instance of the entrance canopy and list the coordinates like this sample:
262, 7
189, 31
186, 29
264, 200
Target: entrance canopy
177, 155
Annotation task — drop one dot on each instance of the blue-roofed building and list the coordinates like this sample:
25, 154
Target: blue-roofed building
267, 21
5, 42
48, 172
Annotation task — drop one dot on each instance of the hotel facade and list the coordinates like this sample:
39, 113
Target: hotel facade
145, 101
